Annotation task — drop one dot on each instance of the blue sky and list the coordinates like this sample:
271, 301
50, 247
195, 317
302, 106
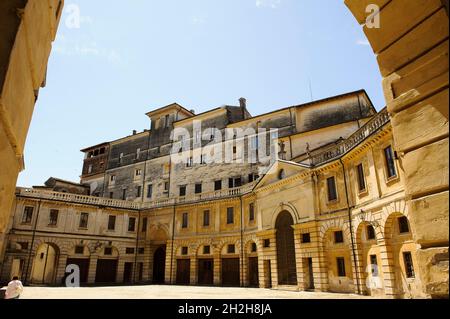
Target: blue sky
125, 60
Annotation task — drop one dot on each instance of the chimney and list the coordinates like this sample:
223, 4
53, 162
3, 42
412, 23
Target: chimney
243, 105
134, 132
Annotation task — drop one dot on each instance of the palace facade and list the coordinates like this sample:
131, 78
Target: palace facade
324, 208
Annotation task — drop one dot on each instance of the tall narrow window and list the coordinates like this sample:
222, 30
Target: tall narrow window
124, 194
230, 215
90, 168
218, 185
403, 225
189, 162
231, 249
409, 267
390, 162
84, 217
251, 212
138, 172
206, 218
138, 191
166, 186
53, 217
144, 224
184, 223
27, 215
111, 222
361, 179
331, 186
374, 265
111, 194
198, 188
149, 191
340, 266
131, 224
370, 232
183, 190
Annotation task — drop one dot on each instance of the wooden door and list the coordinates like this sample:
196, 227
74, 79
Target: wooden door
287, 272
106, 271
230, 272
253, 275
83, 264
206, 272
183, 272
159, 265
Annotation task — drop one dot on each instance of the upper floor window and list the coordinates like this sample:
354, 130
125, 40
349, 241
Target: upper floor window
53, 220
84, 217
206, 217
27, 215
112, 178
183, 190
144, 224
138, 153
184, 222
370, 232
90, 168
198, 188
331, 187
403, 225
361, 178
218, 185
131, 224
138, 172
149, 191
251, 212
390, 162
230, 215
121, 158
111, 222
166, 186
234, 182
189, 162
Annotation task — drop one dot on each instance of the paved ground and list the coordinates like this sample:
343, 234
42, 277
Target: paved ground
174, 292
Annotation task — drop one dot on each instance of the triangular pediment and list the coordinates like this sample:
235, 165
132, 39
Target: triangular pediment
279, 171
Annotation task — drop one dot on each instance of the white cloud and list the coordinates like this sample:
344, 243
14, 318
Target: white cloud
198, 20
268, 3
363, 42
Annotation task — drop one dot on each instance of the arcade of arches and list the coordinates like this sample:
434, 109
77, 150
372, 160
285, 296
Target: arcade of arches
411, 47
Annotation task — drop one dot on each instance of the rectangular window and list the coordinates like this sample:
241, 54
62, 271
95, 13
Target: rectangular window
79, 250
111, 194
138, 191
183, 190
409, 267
231, 249
166, 186
235, 182
370, 232
331, 186
361, 179
390, 162
306, 238
189, 162
198, 188
218, 185
53, 217
90, 168
129, 250
184, 250
266, 243
374, 265
131, 224
206, 218
23, 245
149, 191
403, 225
184, 223
111, 222
254, 247
144, 224
108, 251
138, 153
230, 215
251, 212
138, 172
141, 250
112, 178
206, 250
84, 218
338, 237
124, 194
340, 266
27, 215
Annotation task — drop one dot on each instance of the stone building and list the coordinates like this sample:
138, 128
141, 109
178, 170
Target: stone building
328, 212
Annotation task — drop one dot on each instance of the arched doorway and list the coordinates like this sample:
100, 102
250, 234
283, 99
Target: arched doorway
45, 264
159, 265
287, 272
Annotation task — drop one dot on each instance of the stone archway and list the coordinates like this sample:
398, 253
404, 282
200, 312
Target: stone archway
159, 265
45, 264
286, 262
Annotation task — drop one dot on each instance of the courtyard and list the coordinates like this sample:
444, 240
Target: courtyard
175, 292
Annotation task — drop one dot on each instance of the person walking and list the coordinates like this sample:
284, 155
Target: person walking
14, 289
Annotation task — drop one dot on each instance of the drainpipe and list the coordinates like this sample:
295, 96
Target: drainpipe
242, 242
32, 242
171, 248
137, 246
355, 264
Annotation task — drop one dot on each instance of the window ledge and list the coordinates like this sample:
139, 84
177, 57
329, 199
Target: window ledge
392, 180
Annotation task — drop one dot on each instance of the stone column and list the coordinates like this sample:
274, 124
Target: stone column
92, 269
193, 271
217, 270
387, 267
60, 269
